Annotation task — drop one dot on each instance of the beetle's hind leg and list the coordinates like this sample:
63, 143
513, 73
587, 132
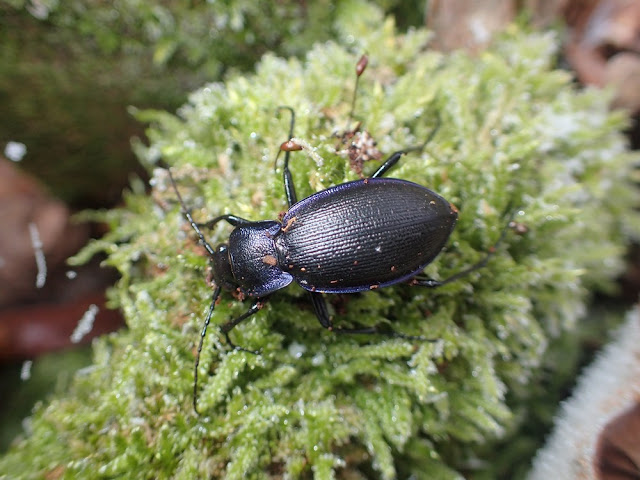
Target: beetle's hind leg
320, 308
424, 281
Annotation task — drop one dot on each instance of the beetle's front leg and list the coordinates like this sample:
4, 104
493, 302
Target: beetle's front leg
232, 220
395, 157
231, 324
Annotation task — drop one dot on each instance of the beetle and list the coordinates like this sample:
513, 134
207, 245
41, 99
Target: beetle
353, 237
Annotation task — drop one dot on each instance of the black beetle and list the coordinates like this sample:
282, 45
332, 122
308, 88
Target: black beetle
356, 236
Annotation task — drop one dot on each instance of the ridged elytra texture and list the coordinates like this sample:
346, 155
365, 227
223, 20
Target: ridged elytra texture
363, 234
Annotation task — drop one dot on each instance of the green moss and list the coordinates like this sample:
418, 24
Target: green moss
514, 135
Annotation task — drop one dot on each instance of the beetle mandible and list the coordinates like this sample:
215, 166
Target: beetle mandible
352, 237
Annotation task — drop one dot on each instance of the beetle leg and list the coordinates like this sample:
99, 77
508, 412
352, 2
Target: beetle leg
420, 281
374, 331
393, 159
320, 307
388, 163
230, 219
289, 187
424, 281
231, 324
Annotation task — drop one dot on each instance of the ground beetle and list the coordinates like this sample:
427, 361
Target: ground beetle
356, 236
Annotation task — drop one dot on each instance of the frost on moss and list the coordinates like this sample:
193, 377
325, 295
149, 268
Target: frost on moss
514, 135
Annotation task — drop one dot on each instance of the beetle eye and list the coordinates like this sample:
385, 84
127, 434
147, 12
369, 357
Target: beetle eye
222, 273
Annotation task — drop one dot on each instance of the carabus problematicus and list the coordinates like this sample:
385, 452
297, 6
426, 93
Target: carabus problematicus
353, 237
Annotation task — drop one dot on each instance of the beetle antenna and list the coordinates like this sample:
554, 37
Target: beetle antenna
214, 298
216, 291
361, 65
187, 213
